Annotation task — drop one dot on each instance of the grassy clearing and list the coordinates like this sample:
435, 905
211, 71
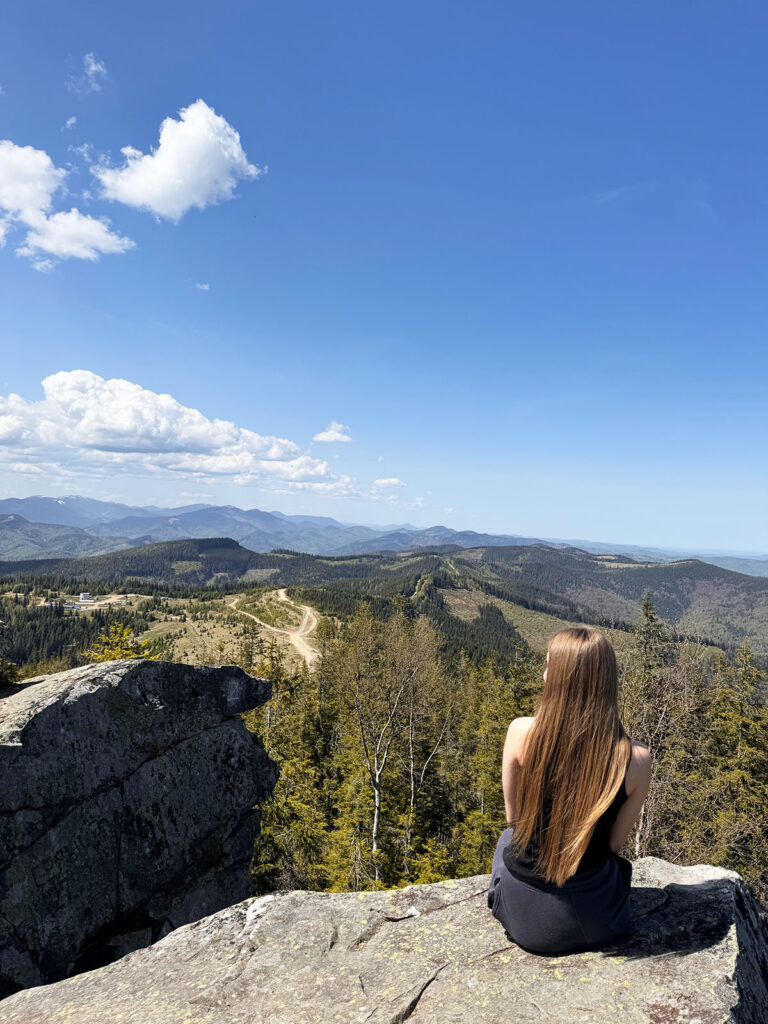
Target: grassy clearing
536, 628
274, 612
181, 567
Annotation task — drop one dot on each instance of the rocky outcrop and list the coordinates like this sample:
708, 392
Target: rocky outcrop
127, 800
698, 954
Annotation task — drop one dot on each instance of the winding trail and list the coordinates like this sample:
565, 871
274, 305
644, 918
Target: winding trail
298, 637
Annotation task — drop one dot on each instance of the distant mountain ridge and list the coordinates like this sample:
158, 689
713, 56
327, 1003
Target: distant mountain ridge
19, 538
110, 526
74, 510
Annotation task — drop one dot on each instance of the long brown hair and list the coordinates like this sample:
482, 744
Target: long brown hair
575, 753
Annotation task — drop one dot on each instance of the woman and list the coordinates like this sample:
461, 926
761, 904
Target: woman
574, 784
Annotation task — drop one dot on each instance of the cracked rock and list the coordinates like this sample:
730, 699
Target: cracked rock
126, 810
698, 953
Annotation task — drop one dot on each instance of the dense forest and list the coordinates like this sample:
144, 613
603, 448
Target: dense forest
51, 639
390, 754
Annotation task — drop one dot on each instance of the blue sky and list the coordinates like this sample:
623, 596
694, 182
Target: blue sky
516, 251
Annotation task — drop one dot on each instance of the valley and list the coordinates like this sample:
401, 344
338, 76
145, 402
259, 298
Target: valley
203, 601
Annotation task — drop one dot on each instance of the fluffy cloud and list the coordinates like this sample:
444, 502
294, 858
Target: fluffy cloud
203, 287
334, 432
198, 161
69, 123
388, 482
71, 235
96, 426
28, 181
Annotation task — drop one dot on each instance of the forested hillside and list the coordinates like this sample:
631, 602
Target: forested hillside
389, 748
694, 598
20, 539
390, 755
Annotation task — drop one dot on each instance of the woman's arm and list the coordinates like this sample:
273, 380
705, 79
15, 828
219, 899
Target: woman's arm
510, 760
629, 811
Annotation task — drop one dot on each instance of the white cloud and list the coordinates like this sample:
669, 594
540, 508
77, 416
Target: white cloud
95, 70
334, 432
386, 483
342, 486
72, 235
203, 287
94, 426
69, 123
198, 162
92, 78
28, 181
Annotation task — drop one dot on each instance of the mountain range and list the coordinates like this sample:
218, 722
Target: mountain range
41, 527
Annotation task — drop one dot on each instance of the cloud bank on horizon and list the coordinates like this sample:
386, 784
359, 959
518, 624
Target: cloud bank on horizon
88, 426
198, 162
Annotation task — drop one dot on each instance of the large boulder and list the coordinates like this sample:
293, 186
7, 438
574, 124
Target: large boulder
126, 809
698, 954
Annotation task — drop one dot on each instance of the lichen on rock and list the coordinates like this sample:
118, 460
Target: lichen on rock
433, 953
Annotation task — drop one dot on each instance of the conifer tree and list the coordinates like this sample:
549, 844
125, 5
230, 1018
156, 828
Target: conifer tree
732, 828
119, 642
8, 670
646, 700
290, 847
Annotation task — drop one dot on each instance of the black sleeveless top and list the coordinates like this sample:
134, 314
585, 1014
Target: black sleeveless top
596, 854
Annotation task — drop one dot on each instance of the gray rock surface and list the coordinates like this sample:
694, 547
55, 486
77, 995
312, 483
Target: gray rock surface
698, 954
126, 809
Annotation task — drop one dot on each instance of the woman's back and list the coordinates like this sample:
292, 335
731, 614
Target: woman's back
522, 864
562, 885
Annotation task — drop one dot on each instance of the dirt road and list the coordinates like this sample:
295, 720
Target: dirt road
298, 637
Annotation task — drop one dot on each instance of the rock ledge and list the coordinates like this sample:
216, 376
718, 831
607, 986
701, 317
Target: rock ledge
698, 954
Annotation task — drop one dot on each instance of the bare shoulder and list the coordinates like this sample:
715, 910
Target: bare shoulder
520, 726
516, 733
640, 767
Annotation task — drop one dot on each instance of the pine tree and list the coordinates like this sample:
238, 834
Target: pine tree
8, 671
732, 826
647, 699
290, 848
119, 642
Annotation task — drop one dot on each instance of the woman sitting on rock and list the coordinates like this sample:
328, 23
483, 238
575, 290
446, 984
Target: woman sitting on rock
574, 784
